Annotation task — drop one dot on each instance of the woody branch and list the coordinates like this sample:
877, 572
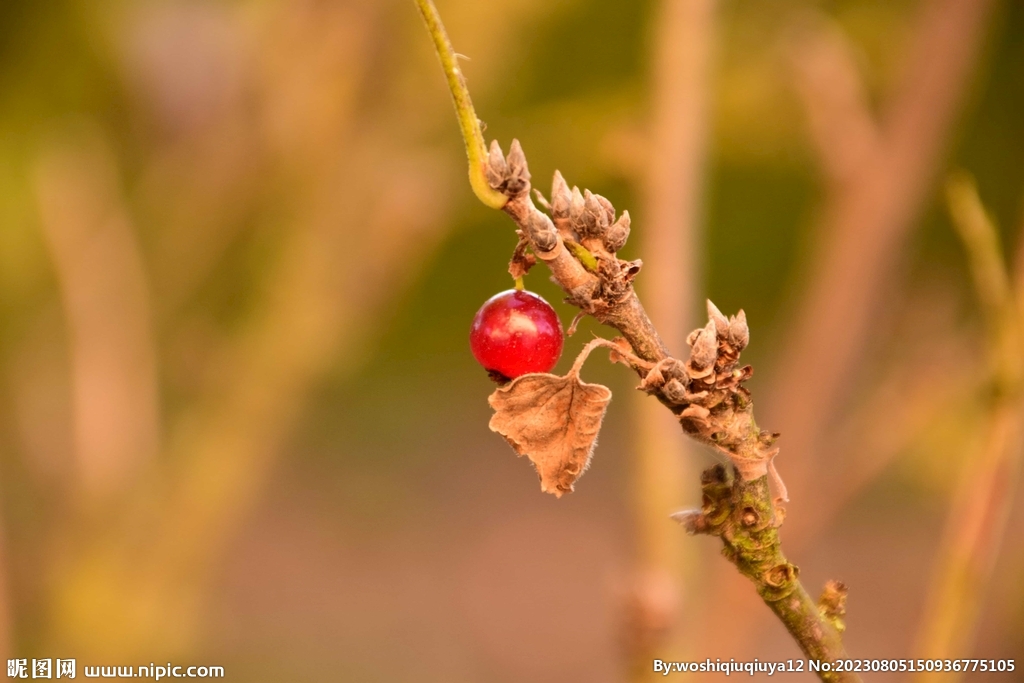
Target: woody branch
578, 239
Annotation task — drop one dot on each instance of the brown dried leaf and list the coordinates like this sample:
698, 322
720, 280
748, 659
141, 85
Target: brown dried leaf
552, 420
522, 260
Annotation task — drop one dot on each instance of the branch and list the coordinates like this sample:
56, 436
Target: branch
977, 521
705, 392
737, 512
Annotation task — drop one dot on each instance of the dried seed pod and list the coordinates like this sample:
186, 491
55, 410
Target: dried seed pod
497, 169
561, 197
739, 333
617, 234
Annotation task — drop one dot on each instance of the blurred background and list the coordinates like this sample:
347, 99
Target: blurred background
240, 424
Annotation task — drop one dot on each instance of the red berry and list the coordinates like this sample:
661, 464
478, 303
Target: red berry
516, 332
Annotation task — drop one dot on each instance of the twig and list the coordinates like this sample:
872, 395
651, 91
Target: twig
673, 180
705, 392
977, 521
738, 512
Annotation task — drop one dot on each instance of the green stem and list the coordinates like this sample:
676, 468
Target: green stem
742, 514
468, 122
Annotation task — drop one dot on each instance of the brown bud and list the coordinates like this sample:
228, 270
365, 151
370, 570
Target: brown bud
589, 221
721, 322
696, 414
705, 349
693, 521
496, 169
576, 206
739, 333
598, 212
518, 171
674, 391
542, 232
606, 206
617, 234
561, 197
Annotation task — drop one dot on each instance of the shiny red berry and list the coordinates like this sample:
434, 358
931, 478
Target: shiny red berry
516, 332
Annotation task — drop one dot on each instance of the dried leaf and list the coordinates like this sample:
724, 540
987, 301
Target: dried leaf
552, 420
522, 260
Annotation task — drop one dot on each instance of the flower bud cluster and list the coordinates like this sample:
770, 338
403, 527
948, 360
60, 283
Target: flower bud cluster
509, 175
585, 217
706, 391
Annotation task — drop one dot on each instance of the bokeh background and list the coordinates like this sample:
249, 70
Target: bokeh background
239, 421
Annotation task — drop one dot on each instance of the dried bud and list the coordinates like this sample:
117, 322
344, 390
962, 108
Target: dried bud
693, 521
589, 220
561, 197
739, 333
598, 213
617, 234
542, 232
576, 206
606, 206
674, 391
705, 350
721, 322
696, 414
497, 169
518, 172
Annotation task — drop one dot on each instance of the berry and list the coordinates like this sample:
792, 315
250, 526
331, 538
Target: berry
514, 333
